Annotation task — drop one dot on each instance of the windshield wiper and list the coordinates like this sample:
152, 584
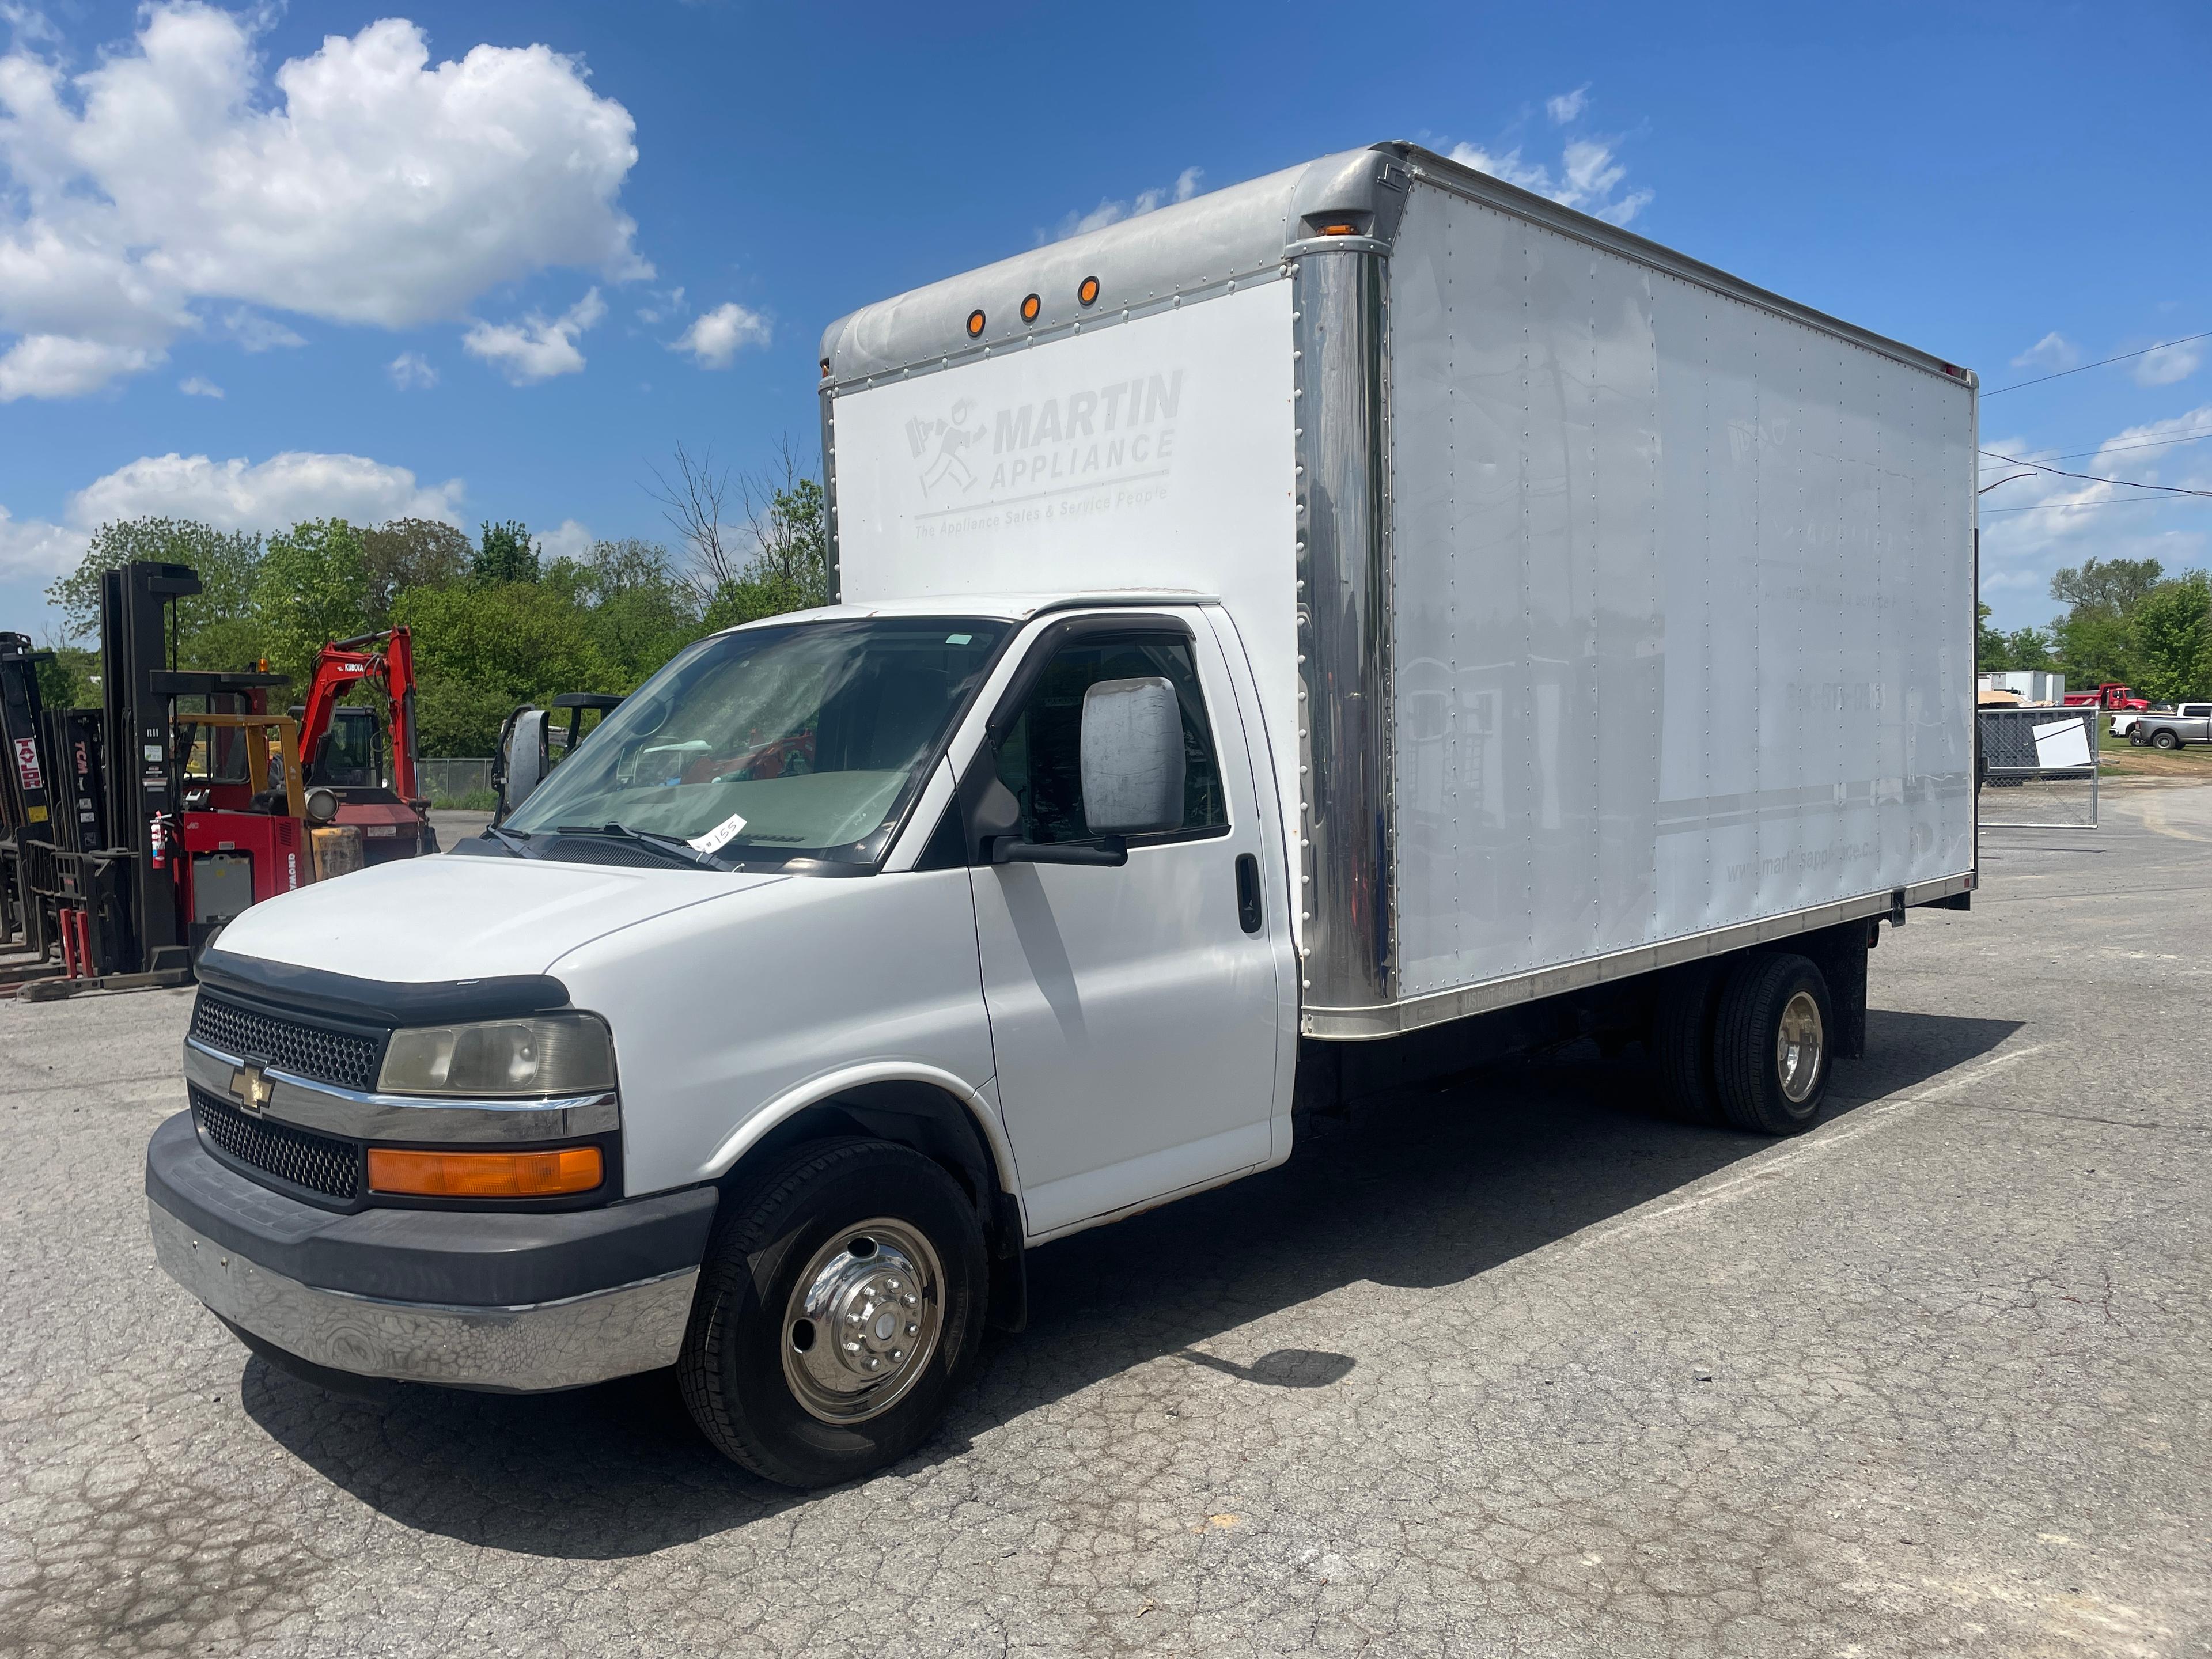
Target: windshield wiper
674, 845
514, 838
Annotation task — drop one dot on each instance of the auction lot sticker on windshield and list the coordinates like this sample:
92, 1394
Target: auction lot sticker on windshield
720, 835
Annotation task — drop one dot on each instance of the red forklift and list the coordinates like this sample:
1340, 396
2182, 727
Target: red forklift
156, 820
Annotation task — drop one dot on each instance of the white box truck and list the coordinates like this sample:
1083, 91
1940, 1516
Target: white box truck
1328, 633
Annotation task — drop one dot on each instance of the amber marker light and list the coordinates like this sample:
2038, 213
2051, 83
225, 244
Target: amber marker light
1031, 305
1337, 230
1086, 291
825, 369
974, 324
485, 1175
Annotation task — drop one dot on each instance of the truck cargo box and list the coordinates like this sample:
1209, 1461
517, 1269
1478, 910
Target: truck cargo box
1608, 612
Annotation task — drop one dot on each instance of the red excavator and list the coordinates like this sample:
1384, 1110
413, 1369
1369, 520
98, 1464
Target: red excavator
365, 753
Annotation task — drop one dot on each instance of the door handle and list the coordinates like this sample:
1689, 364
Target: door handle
1248, 912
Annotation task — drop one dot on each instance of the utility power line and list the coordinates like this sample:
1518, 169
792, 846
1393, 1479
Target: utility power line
2148, 443
2077, 507
2100, 363
2091, 477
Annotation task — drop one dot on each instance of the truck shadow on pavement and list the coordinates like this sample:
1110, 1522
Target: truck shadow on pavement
1422, 1189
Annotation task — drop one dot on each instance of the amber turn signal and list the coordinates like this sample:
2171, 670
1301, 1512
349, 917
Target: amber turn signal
1086, 291
1031, 305
974, 324
485, 1175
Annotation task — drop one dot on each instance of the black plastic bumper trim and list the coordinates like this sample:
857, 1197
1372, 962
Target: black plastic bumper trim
463, 1258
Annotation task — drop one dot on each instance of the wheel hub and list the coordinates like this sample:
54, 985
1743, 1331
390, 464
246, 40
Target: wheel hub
1800, 1047
863, 1320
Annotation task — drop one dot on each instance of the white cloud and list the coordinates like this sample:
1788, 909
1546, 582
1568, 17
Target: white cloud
1589, 176
537, 348
36, 549
199, 386
255, 333
666, 307
2053, 352
1568, 106
360, 185
715, 337
2169, 363
233, 495
1110, 212
242, 495
571, 541
410, 371
2074, 518
59, 366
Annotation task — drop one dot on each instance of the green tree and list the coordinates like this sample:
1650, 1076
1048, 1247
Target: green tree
2024, 647
2093, 645
630, 603
217, 628
2172, 626
70, 678
790, 567
480, 650
313, 585
506, 554
412, 553
2112, 585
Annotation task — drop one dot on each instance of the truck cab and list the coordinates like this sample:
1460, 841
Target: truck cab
893, 939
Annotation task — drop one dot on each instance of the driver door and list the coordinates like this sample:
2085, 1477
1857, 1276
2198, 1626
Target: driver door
1134, 1016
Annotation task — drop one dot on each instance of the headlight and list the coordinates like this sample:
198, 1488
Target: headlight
545, 1054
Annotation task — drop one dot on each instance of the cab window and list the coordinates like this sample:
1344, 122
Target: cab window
1040, 757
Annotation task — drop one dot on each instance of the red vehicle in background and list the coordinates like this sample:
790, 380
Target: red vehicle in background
2110, 694
365, 753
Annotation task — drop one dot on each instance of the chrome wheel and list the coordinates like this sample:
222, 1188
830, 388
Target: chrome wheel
1799, 1046
863, 1320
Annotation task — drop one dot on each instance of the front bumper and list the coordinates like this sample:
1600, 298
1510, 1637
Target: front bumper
518, 1302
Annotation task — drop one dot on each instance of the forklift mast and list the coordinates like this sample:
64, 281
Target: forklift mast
25, 791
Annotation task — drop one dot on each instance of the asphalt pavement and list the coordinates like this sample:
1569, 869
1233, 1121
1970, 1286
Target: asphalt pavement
1510, 1368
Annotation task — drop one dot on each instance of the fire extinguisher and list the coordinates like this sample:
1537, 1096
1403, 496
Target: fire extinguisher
158, 840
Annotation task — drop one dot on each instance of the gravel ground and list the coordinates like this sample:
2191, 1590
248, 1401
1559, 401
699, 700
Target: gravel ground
1509, 1368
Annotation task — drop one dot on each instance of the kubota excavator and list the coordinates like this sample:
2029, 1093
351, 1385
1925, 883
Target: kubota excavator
365, 754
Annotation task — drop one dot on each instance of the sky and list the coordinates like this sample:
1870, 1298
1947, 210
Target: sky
497, 261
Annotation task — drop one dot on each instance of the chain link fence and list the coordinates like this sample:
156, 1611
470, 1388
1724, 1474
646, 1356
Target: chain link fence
2038, 767
454, 780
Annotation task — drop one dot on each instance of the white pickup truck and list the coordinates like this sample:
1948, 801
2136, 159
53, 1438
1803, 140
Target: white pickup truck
1347, 626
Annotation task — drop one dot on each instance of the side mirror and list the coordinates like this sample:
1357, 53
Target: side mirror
521, 766
1131, 757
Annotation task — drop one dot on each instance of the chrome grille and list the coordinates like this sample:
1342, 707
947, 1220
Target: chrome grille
317, 1162
339, 1057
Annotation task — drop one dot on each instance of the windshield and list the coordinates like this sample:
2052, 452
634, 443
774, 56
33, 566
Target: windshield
803, 741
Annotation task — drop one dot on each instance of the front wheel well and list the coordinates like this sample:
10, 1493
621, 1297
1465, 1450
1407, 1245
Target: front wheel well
919, 1115
938, 1125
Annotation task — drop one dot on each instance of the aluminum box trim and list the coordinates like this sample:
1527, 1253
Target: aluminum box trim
1391, 1020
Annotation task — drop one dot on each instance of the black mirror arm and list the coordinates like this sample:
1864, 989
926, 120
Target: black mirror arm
1112, 852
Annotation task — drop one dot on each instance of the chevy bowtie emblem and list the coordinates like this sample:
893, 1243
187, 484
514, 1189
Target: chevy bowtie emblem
252, 1086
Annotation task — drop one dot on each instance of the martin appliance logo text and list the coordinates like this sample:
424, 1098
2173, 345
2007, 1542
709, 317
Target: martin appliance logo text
1093, 436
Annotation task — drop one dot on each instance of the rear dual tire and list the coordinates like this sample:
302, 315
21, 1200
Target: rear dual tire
1745, 1043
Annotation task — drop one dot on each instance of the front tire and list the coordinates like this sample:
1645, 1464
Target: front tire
840, 1307
1771, 1044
